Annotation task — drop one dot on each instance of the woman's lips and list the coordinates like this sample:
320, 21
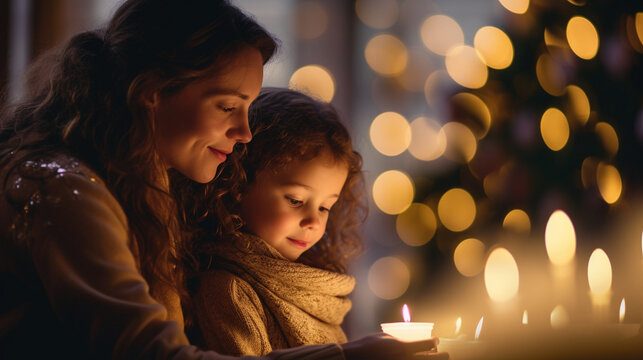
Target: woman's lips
298, 243
219, 154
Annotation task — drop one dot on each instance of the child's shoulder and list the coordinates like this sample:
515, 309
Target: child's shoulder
222, 284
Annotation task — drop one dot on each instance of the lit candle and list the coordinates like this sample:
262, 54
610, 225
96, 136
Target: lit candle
623, 329
599, 275
524, 317
407, 330
461, 349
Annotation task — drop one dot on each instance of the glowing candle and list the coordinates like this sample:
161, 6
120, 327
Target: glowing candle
621, 312
407, 330
524, 318
599, 275
458, 325
479, 328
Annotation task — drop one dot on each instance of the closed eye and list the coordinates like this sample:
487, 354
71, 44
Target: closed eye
323, 209
294, 202
227, 108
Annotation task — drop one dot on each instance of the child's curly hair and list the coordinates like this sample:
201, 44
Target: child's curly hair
290, 126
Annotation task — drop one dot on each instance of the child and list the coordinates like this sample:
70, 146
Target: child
279, 281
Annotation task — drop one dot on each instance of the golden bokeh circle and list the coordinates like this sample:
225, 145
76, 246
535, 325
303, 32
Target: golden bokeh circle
468, 257
390, 133
427, 141
517, 221
386, 54
393, 192
554, 129
465, 66
389, 278
314, 80
582, 37
461, 142
609, 182
417, 225
494, 46
456, 209
440, 33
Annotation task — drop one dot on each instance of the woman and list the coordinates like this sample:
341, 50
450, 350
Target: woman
92, 249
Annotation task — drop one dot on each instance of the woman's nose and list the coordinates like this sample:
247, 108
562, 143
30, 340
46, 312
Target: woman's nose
240, 129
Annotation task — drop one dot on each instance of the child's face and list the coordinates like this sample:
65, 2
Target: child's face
289, 210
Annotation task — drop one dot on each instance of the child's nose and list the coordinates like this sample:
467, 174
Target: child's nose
311, 220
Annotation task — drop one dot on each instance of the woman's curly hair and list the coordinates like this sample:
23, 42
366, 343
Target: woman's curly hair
290, 126
85, 100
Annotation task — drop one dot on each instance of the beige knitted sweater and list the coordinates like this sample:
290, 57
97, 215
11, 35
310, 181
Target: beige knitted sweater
254, 300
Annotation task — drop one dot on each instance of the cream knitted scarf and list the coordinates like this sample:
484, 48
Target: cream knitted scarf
307, 304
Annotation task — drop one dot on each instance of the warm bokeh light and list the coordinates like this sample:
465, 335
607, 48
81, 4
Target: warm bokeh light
517, 221
386, 54
588, 171
525, 318
559, 317
393, 192
461, 143
468, 257
310, 20
389, 278
378, 14
554, 129
315, 81
390, 133
494, 46
457, 209
501, 275
417, 225
608, 137
621, 311
550, 75
515, 6
560, 238
440, 33
471, 110
609, 182
427, 141
458, 325
599, 272
582, 37
579, 104
465, 66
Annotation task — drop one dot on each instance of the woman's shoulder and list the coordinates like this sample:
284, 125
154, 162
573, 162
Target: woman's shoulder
58, 182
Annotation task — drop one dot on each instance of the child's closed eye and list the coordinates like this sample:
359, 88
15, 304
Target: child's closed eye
294, 202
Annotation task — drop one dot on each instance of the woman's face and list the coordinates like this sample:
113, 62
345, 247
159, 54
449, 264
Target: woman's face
289, 209
199, 125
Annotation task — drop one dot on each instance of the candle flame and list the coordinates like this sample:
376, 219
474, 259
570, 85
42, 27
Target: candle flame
406, 314
524, 317
458, 325
621, 313
479, 327
599, 272
560, 238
